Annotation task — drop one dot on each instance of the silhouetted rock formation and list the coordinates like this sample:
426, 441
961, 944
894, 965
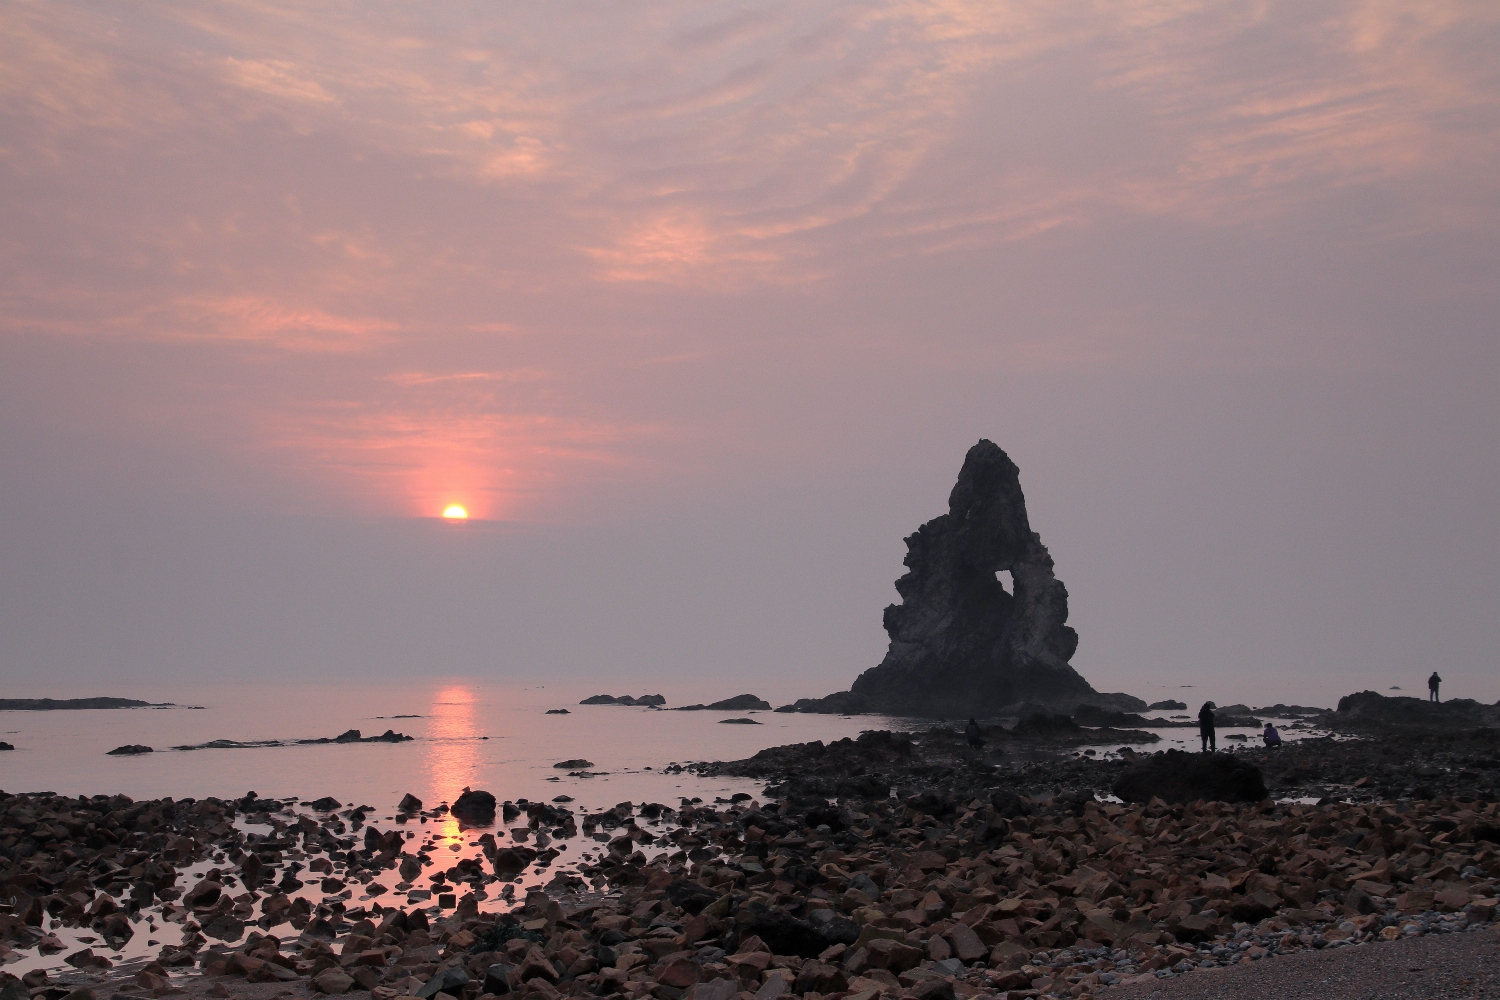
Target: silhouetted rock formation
1372, 712
961, 643
739, 703
648, 700
63, 704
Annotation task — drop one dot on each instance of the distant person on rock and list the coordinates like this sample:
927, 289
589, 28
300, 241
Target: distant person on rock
1432, 686
1271, 736
1206, 726
972, 732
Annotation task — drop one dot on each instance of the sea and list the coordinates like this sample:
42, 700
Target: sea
466, 733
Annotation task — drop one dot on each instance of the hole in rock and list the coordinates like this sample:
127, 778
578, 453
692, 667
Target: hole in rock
1006, 580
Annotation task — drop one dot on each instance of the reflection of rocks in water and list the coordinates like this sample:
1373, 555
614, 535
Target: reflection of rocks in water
961, 642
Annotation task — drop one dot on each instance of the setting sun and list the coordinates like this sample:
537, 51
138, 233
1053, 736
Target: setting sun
456, 513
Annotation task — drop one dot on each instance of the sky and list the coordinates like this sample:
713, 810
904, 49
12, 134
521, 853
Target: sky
696, 308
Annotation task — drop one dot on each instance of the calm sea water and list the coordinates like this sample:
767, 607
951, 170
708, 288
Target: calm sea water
467, 734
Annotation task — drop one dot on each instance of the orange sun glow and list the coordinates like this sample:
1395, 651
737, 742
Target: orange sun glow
455, 513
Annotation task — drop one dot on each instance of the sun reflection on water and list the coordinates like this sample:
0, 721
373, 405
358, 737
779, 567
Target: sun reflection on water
453, 747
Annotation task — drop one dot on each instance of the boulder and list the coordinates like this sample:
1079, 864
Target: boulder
1175, 776
1167, 706
574, 764
785, 934
128, 750
409, 804
451, 980
474, 808
739, 722
334, 982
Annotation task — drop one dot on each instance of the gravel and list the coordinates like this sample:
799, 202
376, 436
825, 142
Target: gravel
1419, 968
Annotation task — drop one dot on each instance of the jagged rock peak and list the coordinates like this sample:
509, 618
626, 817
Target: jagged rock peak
961, 643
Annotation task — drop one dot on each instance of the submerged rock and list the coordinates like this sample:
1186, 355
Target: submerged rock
1167, 706
739, 722
574, 764
1175, 776
558, 711
962, 641
128, 750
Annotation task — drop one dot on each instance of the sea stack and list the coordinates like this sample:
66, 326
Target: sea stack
961, 642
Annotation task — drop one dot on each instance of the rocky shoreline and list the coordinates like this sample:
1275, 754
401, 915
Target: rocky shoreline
894, 865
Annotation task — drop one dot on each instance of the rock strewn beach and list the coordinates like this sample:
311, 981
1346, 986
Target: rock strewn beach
977, 879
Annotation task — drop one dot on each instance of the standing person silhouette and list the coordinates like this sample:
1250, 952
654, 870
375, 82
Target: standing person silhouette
1432, 686
973, 733
1206, 726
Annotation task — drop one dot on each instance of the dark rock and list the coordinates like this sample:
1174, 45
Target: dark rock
739, 722
1198, 927
409, 804
574, 764
558, 711
474, 808
450, 980
353, 736
497, 979
961, 642
785, 934
1093, 715
61, 704
6, 746
326, 804
608, 699
1167, 706
130, 750
1281, 711
739, 703
1043, 724
1258, 906
820, 977
1372, 712
1174, 776
933, 989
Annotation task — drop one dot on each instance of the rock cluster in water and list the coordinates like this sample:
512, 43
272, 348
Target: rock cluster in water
961, 643
739, 703
647, 700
